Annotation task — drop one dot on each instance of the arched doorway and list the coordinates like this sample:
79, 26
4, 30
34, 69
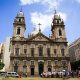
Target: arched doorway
40, 67
24, 69
32, 71
15, 68
49, 69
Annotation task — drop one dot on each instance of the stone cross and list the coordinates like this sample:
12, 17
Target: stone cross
39, 26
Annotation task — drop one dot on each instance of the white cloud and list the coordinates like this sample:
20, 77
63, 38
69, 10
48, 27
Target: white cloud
51, 4
44, 19
78, 1
25, 2
63, 15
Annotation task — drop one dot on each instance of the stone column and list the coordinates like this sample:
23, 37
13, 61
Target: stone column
51, 65
69, 66
28, 68
21, 49
51, 51
53, 68
45, 66
36, 73
44, 50
59, 51
20, 67
11, 68
36, 51
13, 49
28, 51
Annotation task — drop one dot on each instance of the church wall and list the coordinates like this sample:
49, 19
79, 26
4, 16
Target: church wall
57, 42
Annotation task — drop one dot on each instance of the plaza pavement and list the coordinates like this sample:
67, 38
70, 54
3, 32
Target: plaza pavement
37, 78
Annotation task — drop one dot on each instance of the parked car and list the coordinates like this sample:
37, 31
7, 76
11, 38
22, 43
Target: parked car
12, 74
3, 74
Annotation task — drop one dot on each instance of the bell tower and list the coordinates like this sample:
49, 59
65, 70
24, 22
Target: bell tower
58, 28
19, 25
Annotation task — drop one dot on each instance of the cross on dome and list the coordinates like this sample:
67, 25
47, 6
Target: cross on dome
39, 27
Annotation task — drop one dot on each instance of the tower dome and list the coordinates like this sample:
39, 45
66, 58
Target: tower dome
19, 25
20, 14
56, 16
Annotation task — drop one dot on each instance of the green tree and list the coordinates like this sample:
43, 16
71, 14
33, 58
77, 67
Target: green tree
1, 65
75, 65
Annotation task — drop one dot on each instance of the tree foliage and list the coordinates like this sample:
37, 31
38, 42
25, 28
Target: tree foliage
75, 65
1, 65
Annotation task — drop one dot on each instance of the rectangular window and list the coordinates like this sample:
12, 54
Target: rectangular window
56, 62
16, 62
48, 52
32, 52
49, 63
16, 51
55, 52
25, 51
18, 30
64, 64
60, 32
62, 52
24, 62
40, 51
32, 62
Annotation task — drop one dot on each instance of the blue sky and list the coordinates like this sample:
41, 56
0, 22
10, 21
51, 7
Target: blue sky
42, 11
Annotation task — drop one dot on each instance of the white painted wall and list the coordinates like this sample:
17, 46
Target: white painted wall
6, 54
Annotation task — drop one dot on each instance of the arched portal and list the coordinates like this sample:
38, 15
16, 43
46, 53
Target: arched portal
32, 71
40, 67
15, 68
49, 69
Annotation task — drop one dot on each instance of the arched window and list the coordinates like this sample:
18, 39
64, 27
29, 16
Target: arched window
19, 20
32, 52
58, 21
16, 66
49, 63
62, 52
16, 51
32, 62
64, 64
40, 51
18, 30
48, 52
60, 32
25, 51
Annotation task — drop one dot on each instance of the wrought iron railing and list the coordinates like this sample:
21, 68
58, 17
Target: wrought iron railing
37, 55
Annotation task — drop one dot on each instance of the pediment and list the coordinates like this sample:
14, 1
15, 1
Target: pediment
39, 37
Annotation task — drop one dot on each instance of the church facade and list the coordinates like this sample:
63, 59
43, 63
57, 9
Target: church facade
38, 53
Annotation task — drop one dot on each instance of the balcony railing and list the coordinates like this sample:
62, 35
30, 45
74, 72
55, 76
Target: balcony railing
61, 39
37, 55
